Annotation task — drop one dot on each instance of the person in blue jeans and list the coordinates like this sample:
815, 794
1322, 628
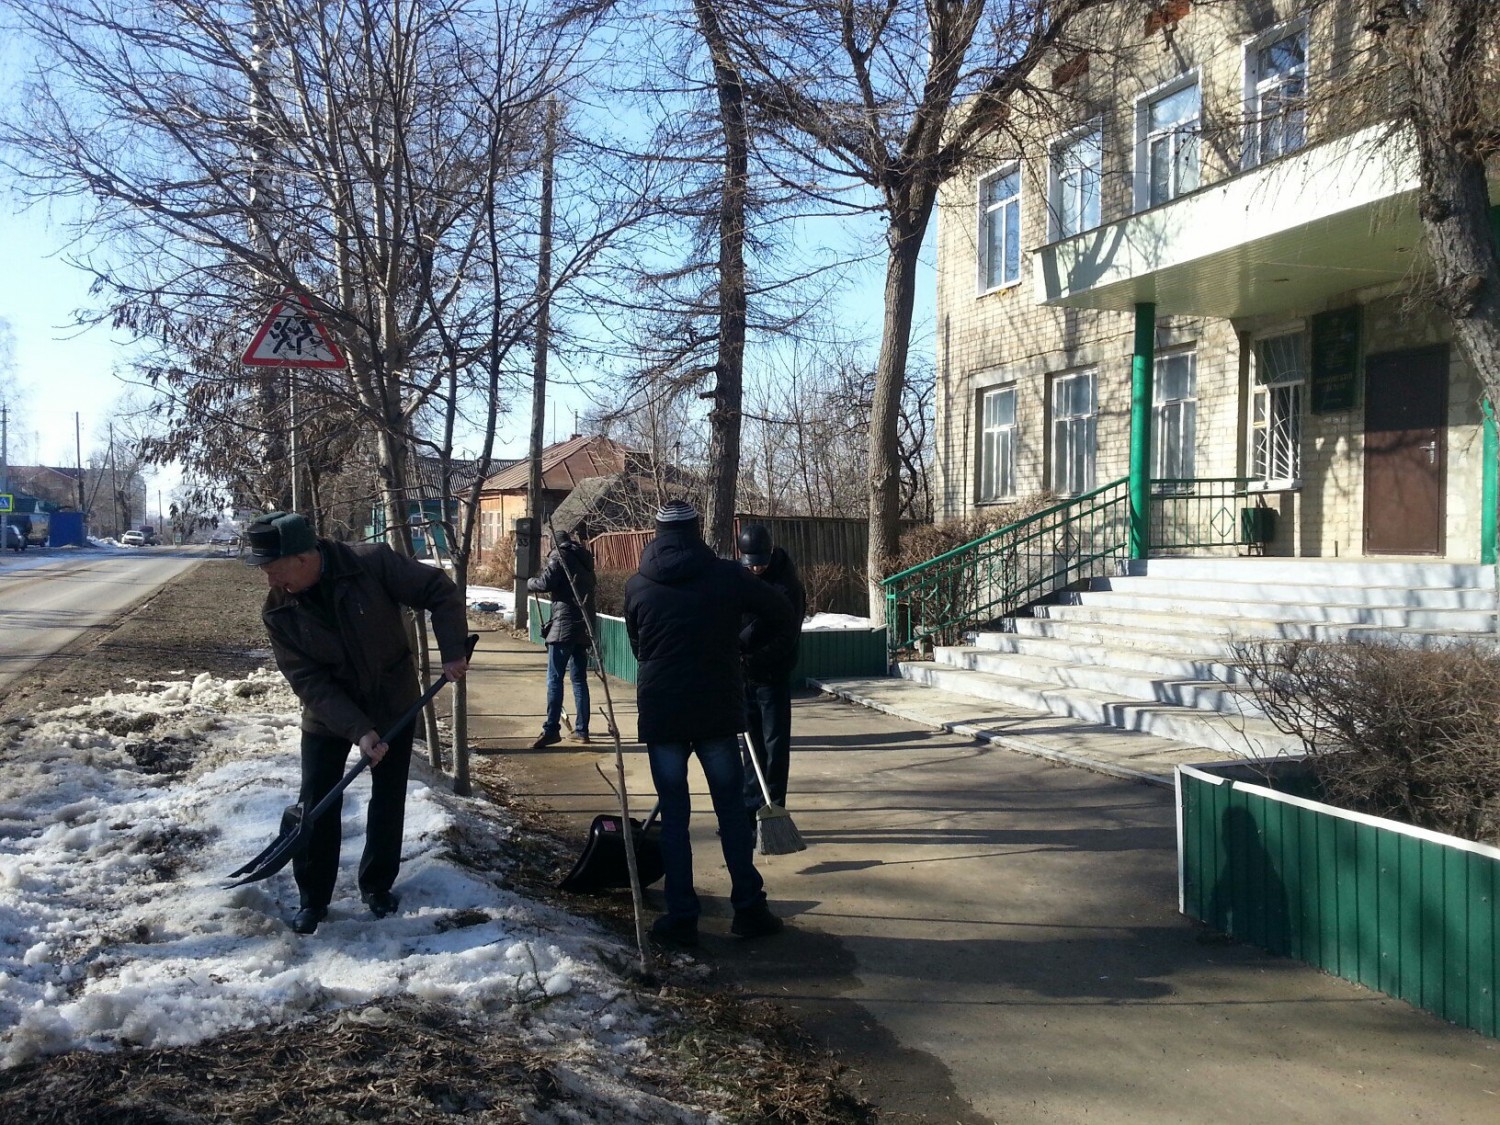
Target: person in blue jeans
682, 614
568, 578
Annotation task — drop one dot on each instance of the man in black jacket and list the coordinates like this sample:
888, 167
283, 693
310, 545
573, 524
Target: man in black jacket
682, 613
334, 615
769, 655
567, 634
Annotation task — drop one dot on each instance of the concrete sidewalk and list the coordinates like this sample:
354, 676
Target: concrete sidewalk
986, 936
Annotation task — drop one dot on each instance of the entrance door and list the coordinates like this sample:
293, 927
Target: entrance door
1406, 415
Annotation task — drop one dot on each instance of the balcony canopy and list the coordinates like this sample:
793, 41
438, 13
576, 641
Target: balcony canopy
1332, 218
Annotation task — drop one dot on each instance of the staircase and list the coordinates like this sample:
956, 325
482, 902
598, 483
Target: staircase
1150, 651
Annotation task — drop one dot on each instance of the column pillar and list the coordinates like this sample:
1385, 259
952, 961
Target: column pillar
1142, 370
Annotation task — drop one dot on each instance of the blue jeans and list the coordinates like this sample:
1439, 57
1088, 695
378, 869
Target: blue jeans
560, 658
720, 758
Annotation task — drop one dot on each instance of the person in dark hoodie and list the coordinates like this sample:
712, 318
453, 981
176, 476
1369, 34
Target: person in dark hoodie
334, 616
682, 614
568, 566
769, 654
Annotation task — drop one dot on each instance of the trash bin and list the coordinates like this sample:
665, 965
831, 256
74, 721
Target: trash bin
1257, 525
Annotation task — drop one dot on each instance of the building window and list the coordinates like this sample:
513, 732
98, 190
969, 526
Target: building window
1073, 183
997, 445
1073, 413
1276, 414
1000, 229
1275, 95
1176, 411
1167, 125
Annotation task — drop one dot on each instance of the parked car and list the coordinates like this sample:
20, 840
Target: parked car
149, 535
15, 536
132, 538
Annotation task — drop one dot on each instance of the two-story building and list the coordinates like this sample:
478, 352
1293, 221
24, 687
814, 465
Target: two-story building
1211, 223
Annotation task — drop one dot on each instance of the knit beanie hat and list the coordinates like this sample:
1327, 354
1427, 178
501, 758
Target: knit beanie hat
677, 515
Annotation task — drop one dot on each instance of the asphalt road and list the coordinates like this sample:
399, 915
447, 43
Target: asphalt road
51, 598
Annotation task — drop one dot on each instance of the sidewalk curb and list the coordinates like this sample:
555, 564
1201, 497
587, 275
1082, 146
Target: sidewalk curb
996, 738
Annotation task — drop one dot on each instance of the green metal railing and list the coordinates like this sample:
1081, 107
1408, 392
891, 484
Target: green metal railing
1084, 537
1199, 512
996, 575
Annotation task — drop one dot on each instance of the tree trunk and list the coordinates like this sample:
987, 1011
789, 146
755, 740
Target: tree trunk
885, 407
1446, 59
729, 370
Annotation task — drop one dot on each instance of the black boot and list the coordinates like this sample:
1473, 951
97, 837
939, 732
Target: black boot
306, 920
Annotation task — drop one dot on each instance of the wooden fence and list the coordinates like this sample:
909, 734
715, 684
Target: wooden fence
829, 553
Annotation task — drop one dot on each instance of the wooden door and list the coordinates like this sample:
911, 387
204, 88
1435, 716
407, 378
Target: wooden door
1406, 416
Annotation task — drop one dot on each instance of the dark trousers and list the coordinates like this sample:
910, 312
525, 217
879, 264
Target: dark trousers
324, 760
720, 759
574, 659
768, 715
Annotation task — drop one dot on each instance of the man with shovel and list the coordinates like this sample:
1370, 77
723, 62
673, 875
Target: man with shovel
334, 615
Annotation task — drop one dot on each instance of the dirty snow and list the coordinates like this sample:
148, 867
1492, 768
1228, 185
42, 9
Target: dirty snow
116, 927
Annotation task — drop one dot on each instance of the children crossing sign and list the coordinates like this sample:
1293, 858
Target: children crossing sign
293, 336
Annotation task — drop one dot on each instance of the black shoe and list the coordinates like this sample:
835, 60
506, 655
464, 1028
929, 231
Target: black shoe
681, 932
306, 920
582, 737
382, 903
545, 740
755, 921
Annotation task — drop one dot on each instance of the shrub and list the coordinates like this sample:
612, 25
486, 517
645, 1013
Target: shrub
828, 585
1391, 730
499, 568
609, 594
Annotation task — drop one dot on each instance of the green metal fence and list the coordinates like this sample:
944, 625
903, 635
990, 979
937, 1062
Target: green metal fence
1407, 912
824, 654
1193, 513
969, 586
1085, 537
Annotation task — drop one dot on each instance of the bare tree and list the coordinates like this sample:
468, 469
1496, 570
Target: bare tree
345, 152
1448, 52
883, 100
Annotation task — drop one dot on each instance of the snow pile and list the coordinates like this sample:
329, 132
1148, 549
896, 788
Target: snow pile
119, 821
820, 622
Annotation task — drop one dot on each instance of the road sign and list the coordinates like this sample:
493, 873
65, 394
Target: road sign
293, 336
7, 502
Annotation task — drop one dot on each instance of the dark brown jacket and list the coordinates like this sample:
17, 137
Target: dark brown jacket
356, 672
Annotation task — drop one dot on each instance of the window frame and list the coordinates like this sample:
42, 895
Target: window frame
1008, 432
1055, 186
983, 212
1252, 156
1186, 424
1144, 135
1271, 450
1073, 426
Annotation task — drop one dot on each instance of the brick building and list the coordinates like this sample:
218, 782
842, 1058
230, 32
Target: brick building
1220, 202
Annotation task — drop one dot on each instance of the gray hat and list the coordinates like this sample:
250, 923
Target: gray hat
277, 535
675, 514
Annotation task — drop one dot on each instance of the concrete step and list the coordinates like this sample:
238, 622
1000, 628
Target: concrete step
1122, 648
1243, 592
1174, 619
1246, 737
1341, 572
1285, 611
1104, 678
1213, 638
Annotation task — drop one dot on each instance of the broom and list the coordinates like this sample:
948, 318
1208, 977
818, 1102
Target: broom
778, 835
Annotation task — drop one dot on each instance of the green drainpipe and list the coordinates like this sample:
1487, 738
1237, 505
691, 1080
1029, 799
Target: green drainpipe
1142, 366
1490, 489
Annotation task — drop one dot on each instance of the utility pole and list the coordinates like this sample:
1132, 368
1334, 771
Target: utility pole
114, 484
5, 472
78, 456
539, 362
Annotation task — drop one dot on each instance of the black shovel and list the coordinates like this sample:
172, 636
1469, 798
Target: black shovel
297, 823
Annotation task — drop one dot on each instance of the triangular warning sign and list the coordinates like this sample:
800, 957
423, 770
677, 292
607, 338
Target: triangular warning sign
293, 336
